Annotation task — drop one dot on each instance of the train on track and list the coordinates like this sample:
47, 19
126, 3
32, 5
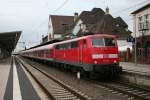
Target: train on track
94, 55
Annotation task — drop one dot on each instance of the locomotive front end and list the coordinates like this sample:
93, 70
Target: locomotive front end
104, 55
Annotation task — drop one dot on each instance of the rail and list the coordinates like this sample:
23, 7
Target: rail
57, 89
127, 89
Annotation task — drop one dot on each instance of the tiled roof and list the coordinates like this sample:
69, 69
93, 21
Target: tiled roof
97, 21
91, 17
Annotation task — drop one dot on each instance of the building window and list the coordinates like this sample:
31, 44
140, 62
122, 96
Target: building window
140, 19
146, 16
140, 51
146, 22
140, 26
65, 27
147, 25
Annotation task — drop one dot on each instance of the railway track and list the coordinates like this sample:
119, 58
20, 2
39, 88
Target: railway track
132, 91
54, 88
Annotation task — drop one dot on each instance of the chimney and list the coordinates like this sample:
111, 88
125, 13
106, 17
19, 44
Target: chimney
107, 11
75, 16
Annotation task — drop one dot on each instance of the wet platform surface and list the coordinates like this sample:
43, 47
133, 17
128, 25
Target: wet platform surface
144, 68
27, 92
5, 66
14, 84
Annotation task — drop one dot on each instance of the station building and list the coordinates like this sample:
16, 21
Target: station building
142, 33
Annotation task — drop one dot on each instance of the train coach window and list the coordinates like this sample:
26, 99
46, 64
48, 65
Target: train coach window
62, 46
45, 52
57, 47
74, 44
67, 45
49, 52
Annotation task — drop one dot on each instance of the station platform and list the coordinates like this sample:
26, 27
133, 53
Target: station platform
14, 83
4, 73
143, 68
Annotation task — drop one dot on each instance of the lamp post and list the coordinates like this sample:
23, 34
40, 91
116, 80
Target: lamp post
135, 49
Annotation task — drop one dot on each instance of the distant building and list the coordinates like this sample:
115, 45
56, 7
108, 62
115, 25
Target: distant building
142, 32
58, 25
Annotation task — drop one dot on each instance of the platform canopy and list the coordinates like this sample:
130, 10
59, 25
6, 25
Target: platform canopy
8, 40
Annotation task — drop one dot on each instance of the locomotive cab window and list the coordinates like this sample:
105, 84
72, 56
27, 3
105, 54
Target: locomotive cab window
109, 42
99, 41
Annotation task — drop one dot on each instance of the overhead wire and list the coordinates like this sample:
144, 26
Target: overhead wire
129, 8
133, 6
58, 8
54, 11
106, 3
62, 5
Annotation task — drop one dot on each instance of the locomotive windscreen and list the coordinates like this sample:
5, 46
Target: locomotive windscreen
109, 42
99, 41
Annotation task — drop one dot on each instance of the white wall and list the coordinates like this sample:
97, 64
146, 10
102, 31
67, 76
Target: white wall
50, 28
77, 27
56, 36
123, 45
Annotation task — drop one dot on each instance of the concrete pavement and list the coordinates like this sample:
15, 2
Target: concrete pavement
144, 68
4, 73
14, 84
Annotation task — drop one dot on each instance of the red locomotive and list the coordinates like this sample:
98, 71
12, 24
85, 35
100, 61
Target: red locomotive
93, 54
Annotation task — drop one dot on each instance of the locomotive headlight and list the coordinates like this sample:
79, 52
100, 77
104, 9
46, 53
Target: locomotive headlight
115, 61
96, 56
95, 62
113, 55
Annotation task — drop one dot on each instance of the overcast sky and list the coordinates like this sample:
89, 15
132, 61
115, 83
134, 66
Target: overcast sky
31, 16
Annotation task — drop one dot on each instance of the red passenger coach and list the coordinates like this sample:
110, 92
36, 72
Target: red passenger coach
94, 54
